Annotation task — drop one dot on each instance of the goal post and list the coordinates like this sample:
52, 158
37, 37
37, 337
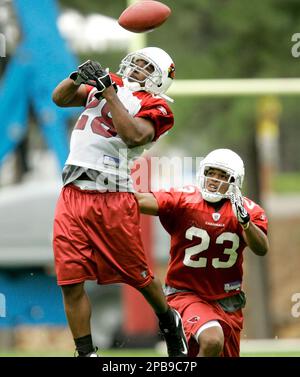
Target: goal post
235, 87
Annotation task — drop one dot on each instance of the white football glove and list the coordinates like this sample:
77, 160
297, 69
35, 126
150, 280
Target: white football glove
238, 208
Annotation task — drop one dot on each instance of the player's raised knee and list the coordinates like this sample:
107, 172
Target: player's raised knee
211, 343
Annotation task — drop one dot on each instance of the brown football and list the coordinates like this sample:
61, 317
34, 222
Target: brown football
144, 16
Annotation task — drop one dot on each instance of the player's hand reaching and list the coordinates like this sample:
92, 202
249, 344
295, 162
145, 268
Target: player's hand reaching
239, 210
92, 73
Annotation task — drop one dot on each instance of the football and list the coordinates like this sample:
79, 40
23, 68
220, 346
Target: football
144, 16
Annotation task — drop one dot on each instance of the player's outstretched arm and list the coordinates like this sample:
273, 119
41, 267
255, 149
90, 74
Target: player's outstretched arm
147, 203
71, 92
254, 237
68, 94
133, 131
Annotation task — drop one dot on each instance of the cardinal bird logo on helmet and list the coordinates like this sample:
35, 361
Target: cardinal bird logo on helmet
171, 71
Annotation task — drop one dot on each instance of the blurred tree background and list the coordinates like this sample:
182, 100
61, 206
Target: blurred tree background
223, 39
219, 39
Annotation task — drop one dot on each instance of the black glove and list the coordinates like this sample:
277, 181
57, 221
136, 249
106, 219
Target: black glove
86, 73
78, 80
92, 73
239, 210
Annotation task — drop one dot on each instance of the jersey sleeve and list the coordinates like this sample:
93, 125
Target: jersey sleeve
160, 114
259, 218
117, 79
257, 215
168, 202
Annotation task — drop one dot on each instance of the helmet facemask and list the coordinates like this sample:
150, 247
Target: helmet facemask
214, 189
129, 65
158, 80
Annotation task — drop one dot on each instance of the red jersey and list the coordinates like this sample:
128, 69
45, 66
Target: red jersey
207, 246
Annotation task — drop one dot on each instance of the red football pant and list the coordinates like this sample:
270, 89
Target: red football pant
97, 236
195, 312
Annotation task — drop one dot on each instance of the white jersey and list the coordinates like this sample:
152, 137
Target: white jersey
95, 143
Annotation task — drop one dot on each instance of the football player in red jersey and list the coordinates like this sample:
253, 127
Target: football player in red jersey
210, 225
96, 225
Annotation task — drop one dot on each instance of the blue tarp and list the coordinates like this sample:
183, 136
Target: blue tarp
40, 62
31, 298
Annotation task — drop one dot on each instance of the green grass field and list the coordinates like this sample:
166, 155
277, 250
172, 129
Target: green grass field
135, 353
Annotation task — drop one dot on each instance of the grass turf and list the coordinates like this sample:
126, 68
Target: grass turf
131, 353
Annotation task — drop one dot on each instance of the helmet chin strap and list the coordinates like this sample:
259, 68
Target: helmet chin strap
214, 197
210, 197
132, 85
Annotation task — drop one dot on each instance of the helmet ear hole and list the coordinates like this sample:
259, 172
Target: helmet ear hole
232, 180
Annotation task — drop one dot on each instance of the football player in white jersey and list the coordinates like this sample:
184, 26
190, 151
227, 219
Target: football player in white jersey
96, 225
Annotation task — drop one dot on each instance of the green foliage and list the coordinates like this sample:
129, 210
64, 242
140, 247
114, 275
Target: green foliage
287, 183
